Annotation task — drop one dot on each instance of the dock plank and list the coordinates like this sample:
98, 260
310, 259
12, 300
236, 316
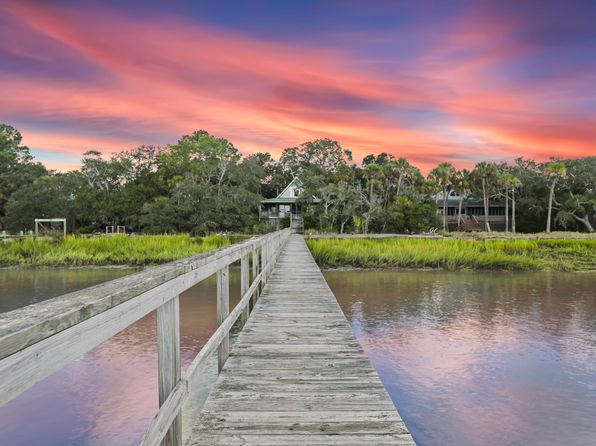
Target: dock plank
296, 374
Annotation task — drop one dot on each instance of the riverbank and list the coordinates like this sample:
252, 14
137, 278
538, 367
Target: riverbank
106, 250
526, 254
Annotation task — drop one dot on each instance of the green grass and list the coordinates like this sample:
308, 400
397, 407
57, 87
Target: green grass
482, 235
106, 250
454, 254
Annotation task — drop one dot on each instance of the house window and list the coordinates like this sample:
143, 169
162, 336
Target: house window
476, 210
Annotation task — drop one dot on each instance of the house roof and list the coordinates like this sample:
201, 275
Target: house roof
296, 181
469, 202
282, 200
286, 200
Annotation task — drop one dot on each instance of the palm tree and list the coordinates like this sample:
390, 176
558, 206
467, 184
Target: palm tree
404, 171
485, 172
553, 171
394, 173
461, 184
516, 184
509, 183
442, 176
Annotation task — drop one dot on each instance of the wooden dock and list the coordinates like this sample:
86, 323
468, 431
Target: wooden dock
296, 374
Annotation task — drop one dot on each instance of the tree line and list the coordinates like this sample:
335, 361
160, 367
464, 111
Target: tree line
203, 184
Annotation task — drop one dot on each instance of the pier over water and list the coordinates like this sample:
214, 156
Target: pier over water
295, 375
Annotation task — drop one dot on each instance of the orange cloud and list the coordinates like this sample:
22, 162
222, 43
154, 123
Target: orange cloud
161, 77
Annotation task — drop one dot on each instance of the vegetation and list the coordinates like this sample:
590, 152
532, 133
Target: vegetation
106, 250
202, 184
456, 253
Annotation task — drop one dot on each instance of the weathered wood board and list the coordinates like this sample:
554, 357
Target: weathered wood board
296, 374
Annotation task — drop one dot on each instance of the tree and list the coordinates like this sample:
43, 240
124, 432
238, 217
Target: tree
105, 175
17, 167
380, 159
324, 153
160, 216
405, 172
50, 196
271, 174
485, 173
406, 215
395, 173
371, 173
341, 202
462, 184
577, 202
553, 172
202, 183
509, 184
442, 176
530, 205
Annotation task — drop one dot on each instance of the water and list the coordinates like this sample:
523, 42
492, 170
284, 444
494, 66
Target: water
469, 358
20, 287
481, 358
109, 396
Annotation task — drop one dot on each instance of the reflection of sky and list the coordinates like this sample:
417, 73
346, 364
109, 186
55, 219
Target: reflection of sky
427, 80
109, 397
480, 358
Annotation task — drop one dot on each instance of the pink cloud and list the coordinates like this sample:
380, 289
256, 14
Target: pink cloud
164, 77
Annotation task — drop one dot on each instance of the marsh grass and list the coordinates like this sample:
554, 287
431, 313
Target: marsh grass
455, 254
106, 250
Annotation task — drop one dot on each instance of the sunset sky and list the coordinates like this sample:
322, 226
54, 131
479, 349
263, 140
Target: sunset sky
432, 81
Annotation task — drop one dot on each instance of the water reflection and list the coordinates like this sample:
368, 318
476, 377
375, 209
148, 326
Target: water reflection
481, 358
23, 286
109, 397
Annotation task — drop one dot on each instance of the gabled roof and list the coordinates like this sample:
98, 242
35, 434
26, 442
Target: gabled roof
295, 182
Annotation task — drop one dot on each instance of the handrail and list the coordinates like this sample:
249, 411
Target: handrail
38, 340
173, 404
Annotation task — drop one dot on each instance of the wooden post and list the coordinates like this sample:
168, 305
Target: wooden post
168, 360
223, 310
263, 263
255, 272
244, 285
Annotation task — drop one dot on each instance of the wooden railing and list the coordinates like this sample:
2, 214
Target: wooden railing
37, 340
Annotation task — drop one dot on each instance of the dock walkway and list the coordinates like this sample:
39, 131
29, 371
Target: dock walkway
296, 374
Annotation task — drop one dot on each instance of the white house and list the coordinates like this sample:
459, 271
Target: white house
274, 209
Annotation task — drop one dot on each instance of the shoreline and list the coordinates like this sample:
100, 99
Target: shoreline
347, 269
455, 254
75, 267
476, 236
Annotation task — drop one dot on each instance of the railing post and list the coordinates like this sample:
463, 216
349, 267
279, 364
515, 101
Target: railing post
168, 359
263, 263
223, 310
255, 272
244, 285
269, 255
